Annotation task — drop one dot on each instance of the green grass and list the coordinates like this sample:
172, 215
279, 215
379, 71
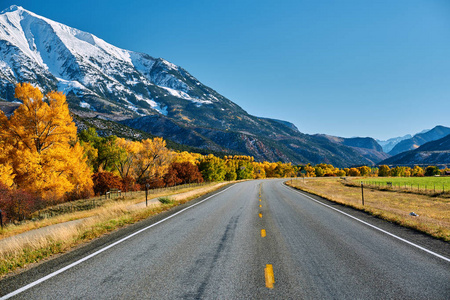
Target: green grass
165, 200
421, 182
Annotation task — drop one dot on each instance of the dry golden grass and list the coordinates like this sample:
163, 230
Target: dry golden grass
434, 212
128, 199
96, 222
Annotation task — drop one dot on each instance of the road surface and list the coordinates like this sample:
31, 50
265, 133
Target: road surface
252, 240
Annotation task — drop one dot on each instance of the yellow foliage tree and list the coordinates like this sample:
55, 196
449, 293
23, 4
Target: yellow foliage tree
193, 158
152, 159
6, 170
126, 159
45, 156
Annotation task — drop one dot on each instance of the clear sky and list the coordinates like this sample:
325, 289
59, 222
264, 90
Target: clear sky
378, 68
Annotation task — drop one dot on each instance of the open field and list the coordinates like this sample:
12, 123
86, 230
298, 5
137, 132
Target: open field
95, 222
437, 184
433, 211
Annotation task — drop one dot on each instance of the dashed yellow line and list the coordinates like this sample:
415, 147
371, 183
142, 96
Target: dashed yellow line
260, 215
260, 205
263, 233
270, 277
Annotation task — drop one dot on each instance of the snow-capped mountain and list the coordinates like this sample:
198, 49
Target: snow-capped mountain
93, 73
150, 94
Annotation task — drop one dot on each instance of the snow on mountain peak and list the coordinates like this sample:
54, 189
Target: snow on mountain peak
12, 8
53, 55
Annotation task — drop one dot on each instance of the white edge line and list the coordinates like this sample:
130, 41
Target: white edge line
34, 283
373, 226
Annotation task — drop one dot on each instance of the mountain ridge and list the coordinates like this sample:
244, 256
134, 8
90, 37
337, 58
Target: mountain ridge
101, 80
436, 152
419, 139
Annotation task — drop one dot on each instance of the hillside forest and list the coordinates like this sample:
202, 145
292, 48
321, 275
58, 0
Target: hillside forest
44, 161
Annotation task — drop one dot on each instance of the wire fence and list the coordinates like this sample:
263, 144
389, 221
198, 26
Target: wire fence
416, 188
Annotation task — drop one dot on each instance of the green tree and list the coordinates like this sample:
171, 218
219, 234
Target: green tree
212, 168
432, 170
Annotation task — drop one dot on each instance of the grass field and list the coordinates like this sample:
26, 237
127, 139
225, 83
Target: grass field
438, 184
392, 205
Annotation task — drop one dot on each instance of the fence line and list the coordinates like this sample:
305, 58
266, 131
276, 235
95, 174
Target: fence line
418, 188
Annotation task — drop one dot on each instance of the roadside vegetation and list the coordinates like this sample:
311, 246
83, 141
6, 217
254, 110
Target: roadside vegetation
433, 211
111, 215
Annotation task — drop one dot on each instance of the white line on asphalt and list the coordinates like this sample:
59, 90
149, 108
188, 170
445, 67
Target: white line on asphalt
30, 285
373, 226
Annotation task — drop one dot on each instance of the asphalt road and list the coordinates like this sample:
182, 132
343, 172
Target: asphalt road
217, 250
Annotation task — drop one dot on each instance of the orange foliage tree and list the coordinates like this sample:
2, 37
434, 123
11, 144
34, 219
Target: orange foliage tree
41, 145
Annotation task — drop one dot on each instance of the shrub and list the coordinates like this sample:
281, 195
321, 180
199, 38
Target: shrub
129, 184
184, 172
17, 205
165, 200
105, 181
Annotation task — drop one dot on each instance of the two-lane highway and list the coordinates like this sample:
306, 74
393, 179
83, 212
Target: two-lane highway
255, 240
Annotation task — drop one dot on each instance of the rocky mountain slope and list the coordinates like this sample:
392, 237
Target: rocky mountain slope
366, 146
147, 93
432, 153
419, 139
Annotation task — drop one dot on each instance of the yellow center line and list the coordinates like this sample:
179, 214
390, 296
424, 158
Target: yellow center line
263, 233
260, 205
260, 215
270, 278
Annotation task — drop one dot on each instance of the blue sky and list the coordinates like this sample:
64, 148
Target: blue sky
347, 68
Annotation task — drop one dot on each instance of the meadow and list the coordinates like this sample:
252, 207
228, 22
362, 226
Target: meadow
436, 184
395, 206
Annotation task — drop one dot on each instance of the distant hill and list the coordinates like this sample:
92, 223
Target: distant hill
366, 146
432, 153
419, 139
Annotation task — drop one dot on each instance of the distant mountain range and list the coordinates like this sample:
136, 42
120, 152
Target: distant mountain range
436, 152
152, 95
419, 139
390, 143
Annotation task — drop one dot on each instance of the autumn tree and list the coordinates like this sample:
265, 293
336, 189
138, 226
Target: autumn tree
384, 171
186, 172
105, 181
259, 171
244, 170
6, 170
152, 159
353, 172
193, 158
364, 170
126, 156
310, 171
417, 171
212, 168
45, 156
